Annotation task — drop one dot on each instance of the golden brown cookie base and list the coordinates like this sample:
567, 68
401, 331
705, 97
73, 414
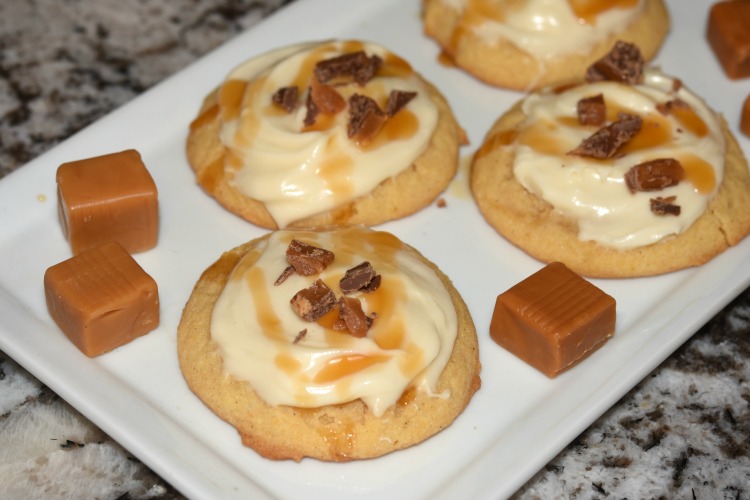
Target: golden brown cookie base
533, 225
332, 433
504, 65
396, 197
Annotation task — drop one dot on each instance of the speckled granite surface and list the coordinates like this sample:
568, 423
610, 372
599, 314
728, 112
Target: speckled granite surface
683, 432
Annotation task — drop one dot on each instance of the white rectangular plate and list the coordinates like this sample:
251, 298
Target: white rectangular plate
516, 423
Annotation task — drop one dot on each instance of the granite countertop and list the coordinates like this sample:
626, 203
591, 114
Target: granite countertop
683, 432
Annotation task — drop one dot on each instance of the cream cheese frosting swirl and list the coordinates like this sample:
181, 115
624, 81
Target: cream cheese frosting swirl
297, 170
594, 192
547, 28
407, 346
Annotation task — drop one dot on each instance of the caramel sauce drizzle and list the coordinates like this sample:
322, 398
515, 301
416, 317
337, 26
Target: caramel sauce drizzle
477, 12
655, 132
698, 172
342, 366
391, 335
588, 10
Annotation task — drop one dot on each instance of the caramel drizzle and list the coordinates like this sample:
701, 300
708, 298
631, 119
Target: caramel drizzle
656, 131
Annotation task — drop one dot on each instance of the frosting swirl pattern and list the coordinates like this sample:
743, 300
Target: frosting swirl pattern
298, 170
593, 192
408, 345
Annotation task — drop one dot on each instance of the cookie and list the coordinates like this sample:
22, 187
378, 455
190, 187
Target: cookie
655, 183
326, 133
309, 379
525, 45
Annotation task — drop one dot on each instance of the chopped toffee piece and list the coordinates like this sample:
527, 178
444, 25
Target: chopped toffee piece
441, 203
654, 175
350, 311
286, 98
365, 119
356, 65
664, 206
553, 319
605, 142
306, 259
729, 37
360, 278
326, 99
300, 335
624, 63
666, 108
592, 110
288, 271
313, 302
397, 100
312, 110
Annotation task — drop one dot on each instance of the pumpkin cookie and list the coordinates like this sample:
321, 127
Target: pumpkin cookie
336, 344
626, 174
526, 45
327, 133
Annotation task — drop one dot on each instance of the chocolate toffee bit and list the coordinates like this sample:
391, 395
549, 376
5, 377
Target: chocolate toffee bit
306, 259
312, 110
326, 98
605, 142
355, 319
365, 119
300, 335
592, 110
624, 63
397, 100
286, 98
664, 206
654, 175
313, 302
361, 277
665, 108
288, 271
356, 65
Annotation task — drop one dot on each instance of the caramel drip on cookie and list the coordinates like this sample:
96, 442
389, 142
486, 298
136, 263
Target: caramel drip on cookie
699, 173
206, 117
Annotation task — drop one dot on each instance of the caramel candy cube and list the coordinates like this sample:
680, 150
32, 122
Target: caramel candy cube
101, 298
728, 33
553, 319
108, 198
745, 117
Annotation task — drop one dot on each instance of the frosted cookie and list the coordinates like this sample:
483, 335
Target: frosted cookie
627, 174
337, 344
526, 45
340, 132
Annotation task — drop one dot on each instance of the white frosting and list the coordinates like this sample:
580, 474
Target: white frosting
298, 173
408, 344
547, 28
594, 192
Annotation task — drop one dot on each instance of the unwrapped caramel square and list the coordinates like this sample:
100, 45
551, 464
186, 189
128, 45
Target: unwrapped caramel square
108, 198
101, 298
553, 319
728, 33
